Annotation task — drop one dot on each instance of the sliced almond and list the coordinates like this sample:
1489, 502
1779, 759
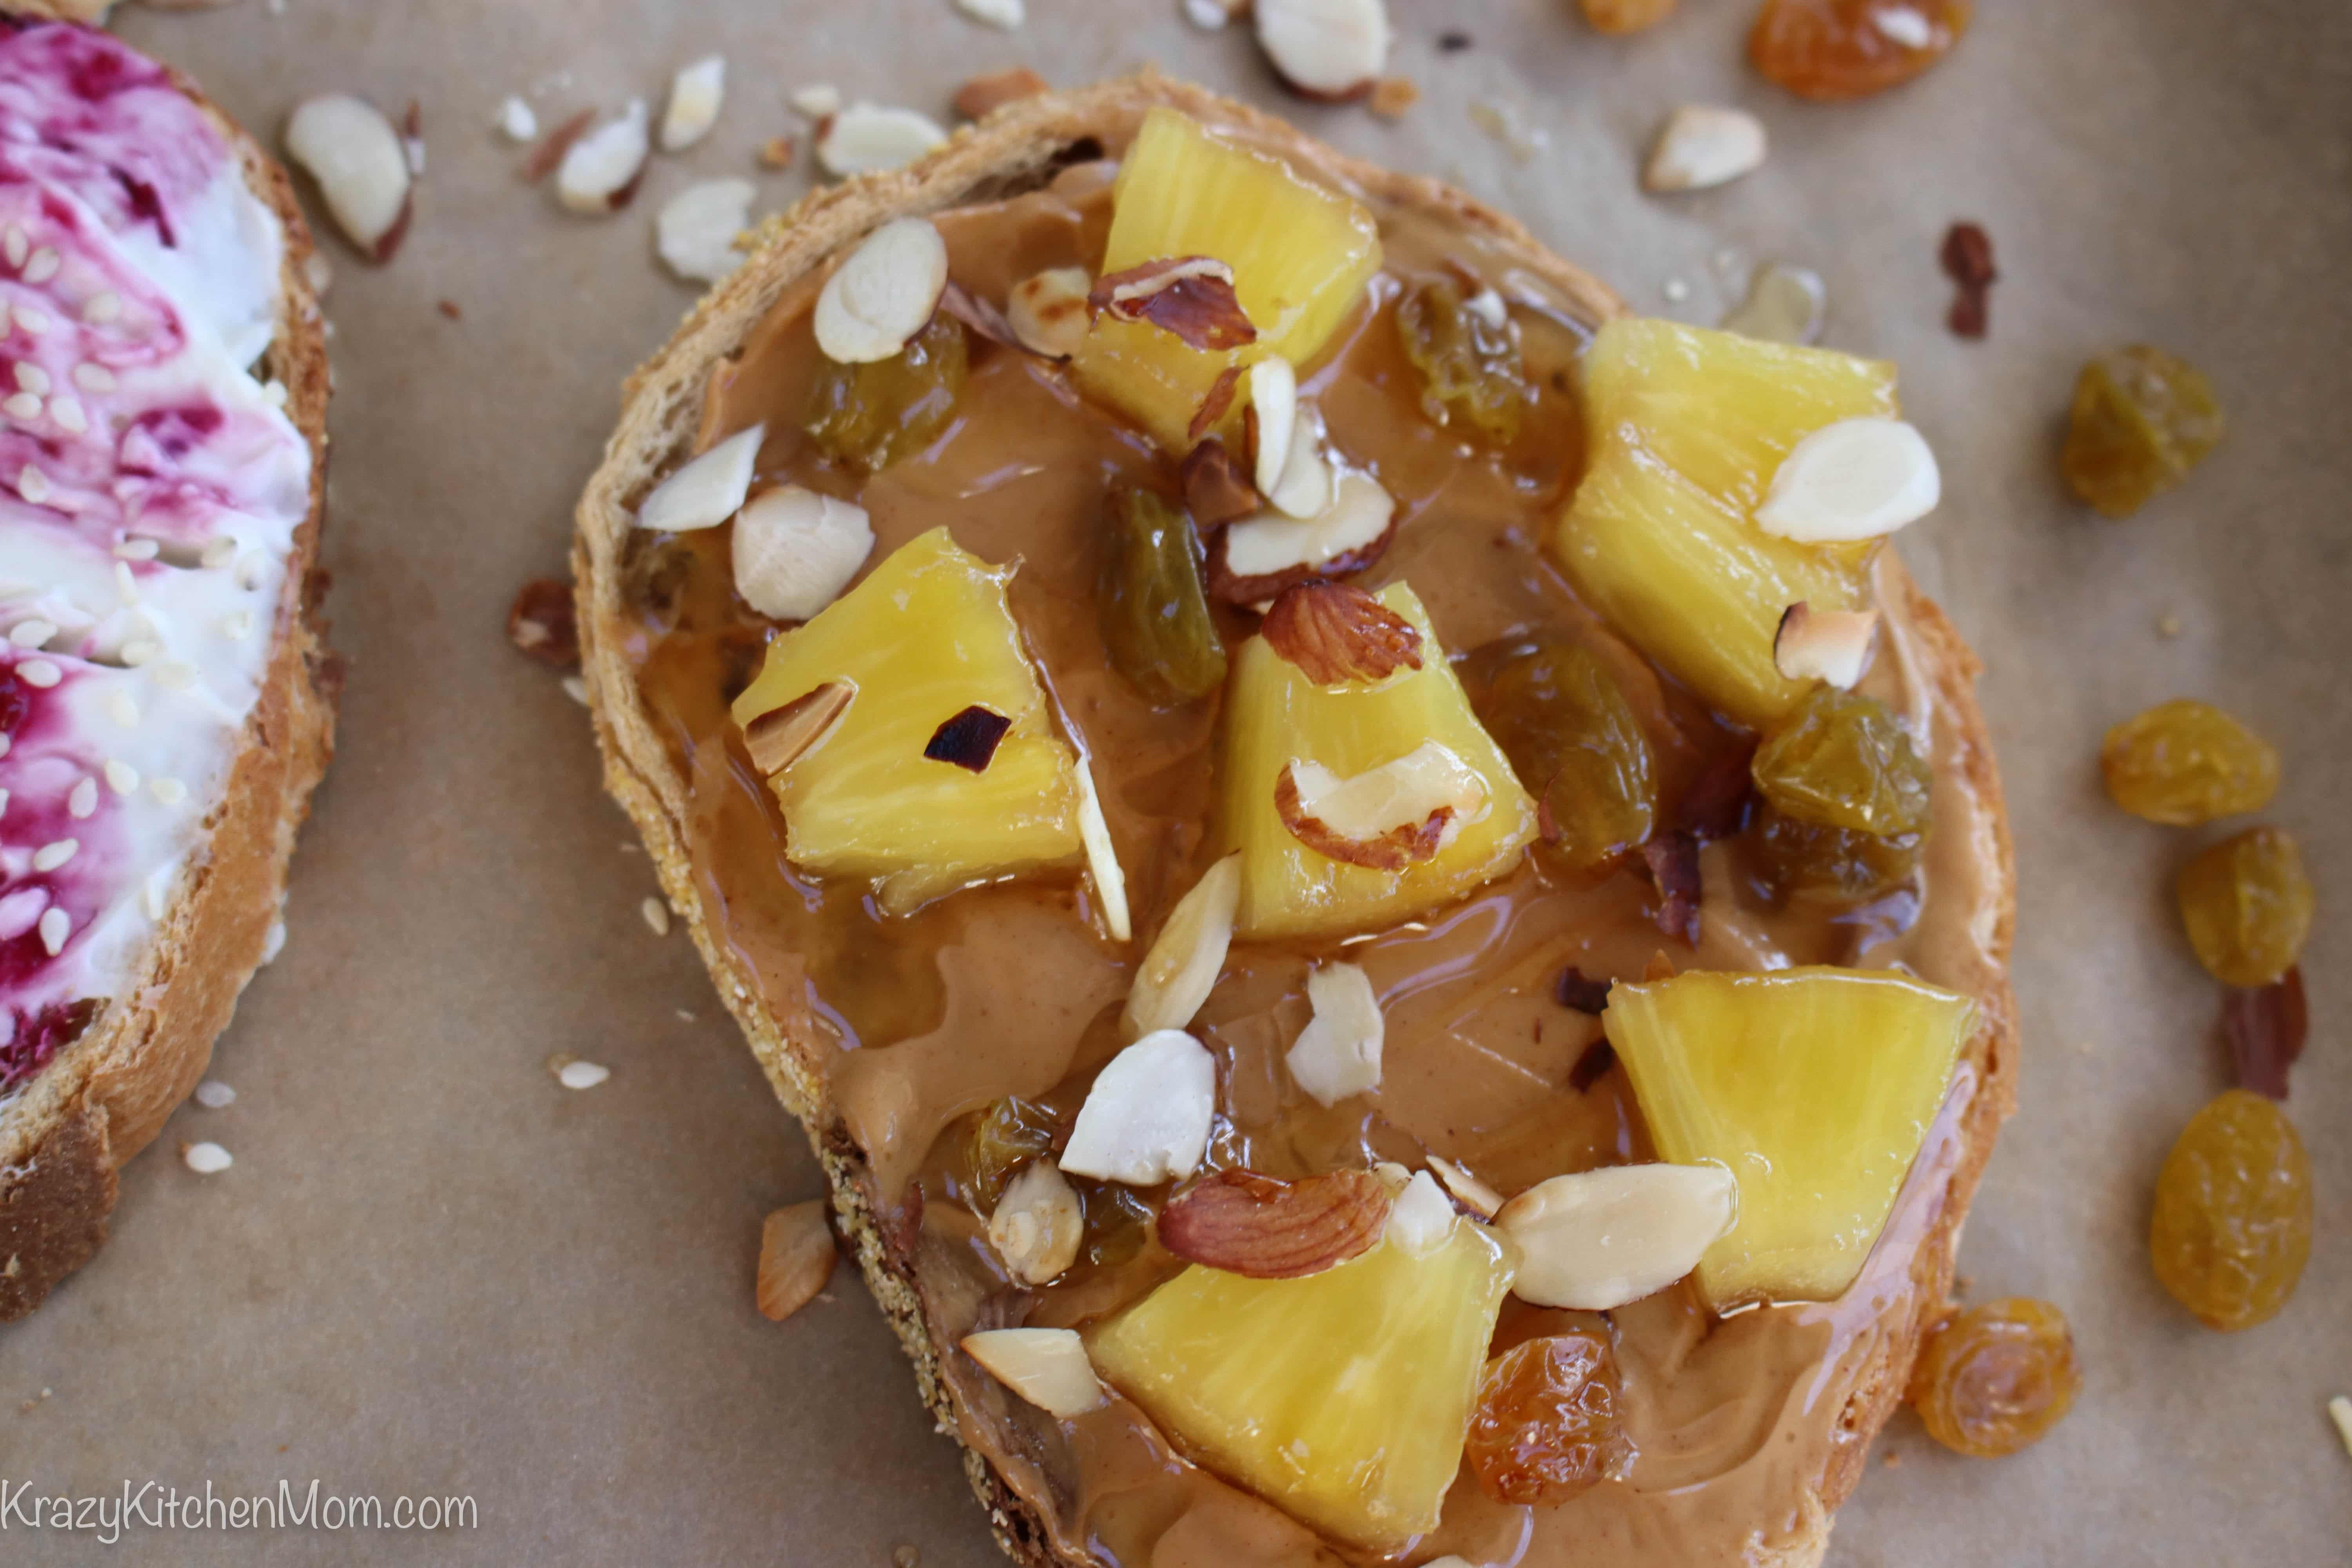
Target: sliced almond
1102, 856
1330, 49
1187, 956
696, 94
1386, 817
1273, 400
782, 736
883, 293
1006, 13
1037, 1225
1422, 1219
600, 172
1258, 557
1047, 310
1468, 1190
1702, 145
1334, 633
818, 101
1858, 478
352, 149
1597, 1239
1047, 1367
984, 95
796, 1259
516, 121
1338, 1053
1216, 492
1306, 483
697, 228
1146, 1119
795, 550
868, 138
707, 490
1824, 644
1251, 1224
1212, 15
1191, 298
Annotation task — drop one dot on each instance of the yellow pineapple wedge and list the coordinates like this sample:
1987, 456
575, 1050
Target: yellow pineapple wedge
1816, 1086
1687, 427
1300, 254
927, 636
1343, 1397
1274, 715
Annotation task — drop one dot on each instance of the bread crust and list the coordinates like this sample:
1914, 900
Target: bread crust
1015, 146
107, 1096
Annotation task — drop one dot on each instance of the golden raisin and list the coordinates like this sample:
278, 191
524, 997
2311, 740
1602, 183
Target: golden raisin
1832, 864
1996, 1378
2142, 419
1547, 1426
2247, 906
1843, 760
1008, 1134
1572, 736
2233, 1225
1626, 15
1117, 1221
1153, 608
1468, 357
1834, 49
2184, 762
870, 415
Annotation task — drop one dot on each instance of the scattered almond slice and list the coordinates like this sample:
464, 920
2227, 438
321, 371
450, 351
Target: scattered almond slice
796, 1259
517, 121
1338, 1053
600, 171
983, 94
782, 736
1858, 478
818, 101
697, 231
1702, 145
2339, 1410
1824, 644
1146, 1119
696, 94
1187, 956
1211, 15
1422, 1218
1037, 1224
1597, 1239
1306, 485
1047, 310
1260, 555
1255, 1226
883, 293
1274, 411
1329, 50
1473, 1193
1335, 634
1386, 817
583, 1075
206, 1159
866, 138
1102, 856
795, 550
1006, 13
352, 149
708, 490
1047, 1367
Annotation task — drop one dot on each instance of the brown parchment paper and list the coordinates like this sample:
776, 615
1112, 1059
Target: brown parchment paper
434, 1271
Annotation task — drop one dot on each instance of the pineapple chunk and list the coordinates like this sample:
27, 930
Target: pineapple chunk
1301, 253
1816, 1086
1274, 715
1342, 1397
1687, 428
925, 637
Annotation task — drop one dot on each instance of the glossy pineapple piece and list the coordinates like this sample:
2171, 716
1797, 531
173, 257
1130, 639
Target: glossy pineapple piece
1815, 1087
925, 637
1343, 1397
1301, 255
1274, 715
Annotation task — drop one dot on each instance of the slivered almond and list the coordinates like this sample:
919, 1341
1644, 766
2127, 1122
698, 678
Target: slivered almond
1259, 557
1037, 1225
782, 736
1146, 1119
1335, 633
1102, 856
1177, 975
1216, 492
1213, 404
1473, 1193
1594, 1240
1338, 1053
1189, 297
795, 550
979, 315
1823, 645
1423, 1217
1048, 310
1386, 817
1047, 1367
796, 1259
982, 95
707, 490
600, 170
1255, 1226
883, 293
1306, 483
1327, 49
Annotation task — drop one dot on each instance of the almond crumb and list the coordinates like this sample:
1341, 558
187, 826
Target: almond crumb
983, 94
777, 151
1393, 95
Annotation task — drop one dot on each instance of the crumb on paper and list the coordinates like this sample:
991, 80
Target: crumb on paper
215, 1095
2167, 625
1393, 95
905, 1557
582, 1075
777, 152
517, 121
206, 1159
656, 915
686, 1015
451, 309
1891, 1459
1504, 125
2339, 1410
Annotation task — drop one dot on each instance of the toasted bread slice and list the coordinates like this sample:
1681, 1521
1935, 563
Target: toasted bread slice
1019, 147
191, 899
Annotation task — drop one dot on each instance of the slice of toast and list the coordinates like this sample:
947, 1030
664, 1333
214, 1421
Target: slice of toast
1019, 147
193, 682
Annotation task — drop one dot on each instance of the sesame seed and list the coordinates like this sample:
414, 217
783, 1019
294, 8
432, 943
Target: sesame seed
138, 550
217, 554
67, 413
169, 791
138, 650
656, 915
33, 485
121, 776
101, 307
32, 321
32, 633
21, 405
55, 926
91, 376
215, 1095
83, 800
582, 1075
177, 674
39, 672
238, 625
18, 247
56, 853
43, 266
125, 583
123, 709
206, 1159
32, 377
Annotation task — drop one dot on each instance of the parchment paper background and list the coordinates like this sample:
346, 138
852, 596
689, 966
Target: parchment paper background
432, 1270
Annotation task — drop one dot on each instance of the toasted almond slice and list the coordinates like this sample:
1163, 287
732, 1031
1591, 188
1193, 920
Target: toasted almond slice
1702, 145
696, 94
1047, 310
1339, 1052
1047, 1367
1468, 1190
708, 490
1273, 399
1251, 1224
1037, 1225
1823, 645
600, 171
1191, 298
1216, 492
1858, 478
1334, 633
883, 293
1146, 1119
1187, 956
1386, 817
1271, 544
1597, 1239
866, 138
796, 1259
782, 736
1330, 49
697, 231
1102, 856
1307, 484
360, 164
795, 550
1423, 1217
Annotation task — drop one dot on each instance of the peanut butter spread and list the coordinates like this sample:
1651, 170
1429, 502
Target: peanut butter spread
1011, 989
